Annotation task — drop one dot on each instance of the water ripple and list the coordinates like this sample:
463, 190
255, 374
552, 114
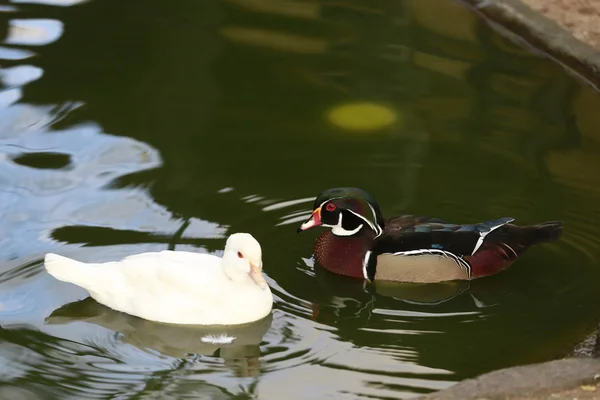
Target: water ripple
33, 32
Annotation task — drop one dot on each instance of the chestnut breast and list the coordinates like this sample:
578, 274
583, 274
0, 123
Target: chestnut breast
342, 255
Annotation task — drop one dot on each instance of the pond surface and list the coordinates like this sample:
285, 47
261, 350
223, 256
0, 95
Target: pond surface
130, 126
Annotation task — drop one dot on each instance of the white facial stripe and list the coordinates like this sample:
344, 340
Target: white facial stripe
339, 231
365, 263
378, 230
326, 201
366, 220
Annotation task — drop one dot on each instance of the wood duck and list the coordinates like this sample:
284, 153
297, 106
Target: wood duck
408, 248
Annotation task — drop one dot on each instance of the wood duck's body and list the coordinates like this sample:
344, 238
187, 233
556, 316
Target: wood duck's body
409, 248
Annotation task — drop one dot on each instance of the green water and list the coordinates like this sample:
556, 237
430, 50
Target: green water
129, 126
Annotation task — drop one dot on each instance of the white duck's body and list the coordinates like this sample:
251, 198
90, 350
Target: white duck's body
174, 286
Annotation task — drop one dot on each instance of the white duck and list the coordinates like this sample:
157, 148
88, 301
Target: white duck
178, 287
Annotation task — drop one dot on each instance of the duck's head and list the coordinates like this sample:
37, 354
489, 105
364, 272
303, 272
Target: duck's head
346, 211
242, 258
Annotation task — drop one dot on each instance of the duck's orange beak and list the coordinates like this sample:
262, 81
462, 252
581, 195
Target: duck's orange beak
257, 276
315, 220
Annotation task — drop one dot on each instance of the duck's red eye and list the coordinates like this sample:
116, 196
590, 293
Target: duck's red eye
330, 207
240, 255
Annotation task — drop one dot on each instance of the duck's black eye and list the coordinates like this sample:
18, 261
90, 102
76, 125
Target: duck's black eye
330, 207
240, 255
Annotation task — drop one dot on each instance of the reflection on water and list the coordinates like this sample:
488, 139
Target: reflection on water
33, 32
233, 343
137, 126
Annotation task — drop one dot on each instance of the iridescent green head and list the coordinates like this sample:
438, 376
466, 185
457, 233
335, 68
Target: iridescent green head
346, 211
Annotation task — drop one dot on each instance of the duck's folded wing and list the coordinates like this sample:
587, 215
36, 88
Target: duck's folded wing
429, 252
169, 270
403, 222
461, 240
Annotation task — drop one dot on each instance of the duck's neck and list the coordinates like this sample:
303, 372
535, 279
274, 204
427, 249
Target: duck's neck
343, 255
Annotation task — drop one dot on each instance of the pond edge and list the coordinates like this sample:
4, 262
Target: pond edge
563, 379
575, 377
516, 21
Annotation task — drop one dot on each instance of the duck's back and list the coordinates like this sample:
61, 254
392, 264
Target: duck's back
421, 249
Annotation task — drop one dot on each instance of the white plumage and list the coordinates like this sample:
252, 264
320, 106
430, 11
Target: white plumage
178, 287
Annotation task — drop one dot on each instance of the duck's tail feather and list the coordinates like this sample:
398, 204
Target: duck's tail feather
548, 231
68, 270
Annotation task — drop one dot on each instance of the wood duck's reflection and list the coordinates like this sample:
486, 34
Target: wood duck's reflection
237, 345
346, 298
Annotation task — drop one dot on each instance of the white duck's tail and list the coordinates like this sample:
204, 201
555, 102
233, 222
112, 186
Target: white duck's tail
68, 270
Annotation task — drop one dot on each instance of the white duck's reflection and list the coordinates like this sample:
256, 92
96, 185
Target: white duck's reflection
237, 345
